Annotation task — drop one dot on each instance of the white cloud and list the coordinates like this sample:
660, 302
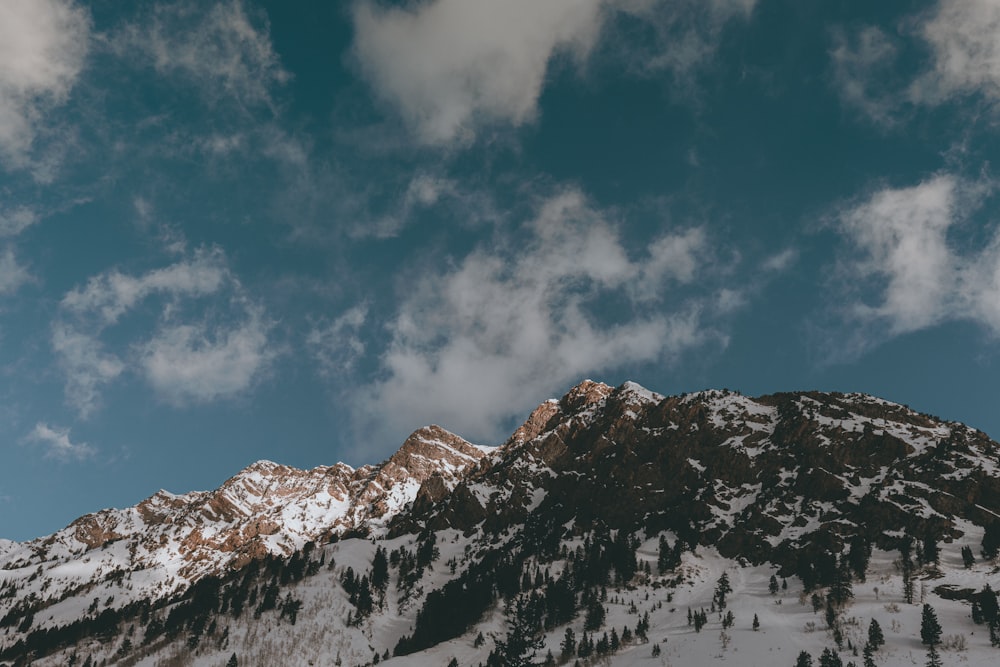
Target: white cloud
43, 44
336, 345
477, 342
861, 63
686, 32
87, 366
14, 221
919, 277
452, 65
12, 274
112, 293
219, 355
195, 363
217, 47
58, 445
963, 37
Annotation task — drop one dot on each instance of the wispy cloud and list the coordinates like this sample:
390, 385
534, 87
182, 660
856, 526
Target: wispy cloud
185, 357
474, 343
222, 48
966, 53
963, 61
862, 62
43, 45
12, 274
58, 445
336, 344
905, 258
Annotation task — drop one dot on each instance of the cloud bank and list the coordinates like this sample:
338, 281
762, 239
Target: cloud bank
188, 355
474, 343
908, 259
43, 45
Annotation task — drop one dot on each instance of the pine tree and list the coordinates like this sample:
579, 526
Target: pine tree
804, 660
933, 659
722, 589
756, 623
772, 585
830, 658
453, 662
930, 629
233, 662
568, 645
967, 556
869, 655
991, 540
875, 637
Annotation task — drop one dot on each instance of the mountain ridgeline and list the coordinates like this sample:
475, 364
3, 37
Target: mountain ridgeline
505, 555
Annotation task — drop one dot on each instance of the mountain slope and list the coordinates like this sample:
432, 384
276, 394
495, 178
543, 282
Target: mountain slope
581, 498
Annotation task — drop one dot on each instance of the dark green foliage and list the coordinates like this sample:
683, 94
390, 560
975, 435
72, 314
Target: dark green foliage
859, 555
869, 656
722, 589
933, 659
233, 662
804, 660
380, 569
772, 585
967, 556
875, 637
756, 623
987, 601
930, 629
568, 644
931, 552
830, 658
991, 540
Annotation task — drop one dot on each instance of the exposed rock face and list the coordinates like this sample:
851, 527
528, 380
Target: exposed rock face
266, 508
764, 479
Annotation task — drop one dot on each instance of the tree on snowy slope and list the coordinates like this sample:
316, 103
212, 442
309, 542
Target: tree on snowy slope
930, 629
518, 648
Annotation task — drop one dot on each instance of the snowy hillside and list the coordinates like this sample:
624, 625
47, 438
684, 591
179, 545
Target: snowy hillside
606, 517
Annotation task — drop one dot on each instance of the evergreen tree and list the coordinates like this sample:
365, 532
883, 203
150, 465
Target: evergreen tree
967, 556
804, 660
933, 659
522, 641
869, 656
756, 622
380, 570
830, 658
233, 662
722, 589
930, 629
932, 554
859, 555
991, 540
656, 650
772, 585
568, 645
875, 637
453, 662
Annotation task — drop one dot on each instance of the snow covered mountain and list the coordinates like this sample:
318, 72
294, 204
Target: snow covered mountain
615, 503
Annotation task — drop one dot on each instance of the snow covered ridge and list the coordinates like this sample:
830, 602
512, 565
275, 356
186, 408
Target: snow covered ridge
783, 483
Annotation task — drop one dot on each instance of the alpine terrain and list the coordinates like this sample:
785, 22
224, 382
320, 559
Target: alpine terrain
614, 527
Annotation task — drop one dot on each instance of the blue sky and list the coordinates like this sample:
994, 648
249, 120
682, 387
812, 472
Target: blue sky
298, 231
